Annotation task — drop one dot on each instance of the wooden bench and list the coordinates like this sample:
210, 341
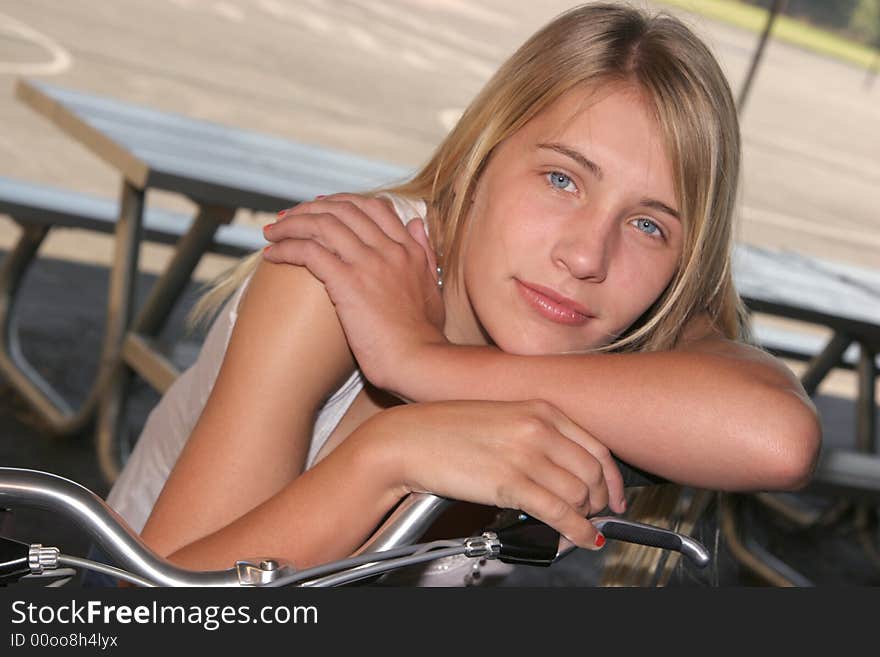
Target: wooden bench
800, 345
36, 205
37, 209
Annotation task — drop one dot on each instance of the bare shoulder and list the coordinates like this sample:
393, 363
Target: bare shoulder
288, 332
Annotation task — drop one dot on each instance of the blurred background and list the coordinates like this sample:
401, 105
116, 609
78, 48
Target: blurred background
386, 79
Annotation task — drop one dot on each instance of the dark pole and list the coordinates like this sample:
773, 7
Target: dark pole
874, 66
777, 8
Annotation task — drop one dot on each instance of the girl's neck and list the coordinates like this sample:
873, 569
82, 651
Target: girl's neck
461, 326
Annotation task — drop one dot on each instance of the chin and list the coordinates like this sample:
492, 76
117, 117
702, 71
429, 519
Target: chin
521, 345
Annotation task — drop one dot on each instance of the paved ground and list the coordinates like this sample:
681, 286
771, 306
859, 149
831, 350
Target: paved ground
387, 79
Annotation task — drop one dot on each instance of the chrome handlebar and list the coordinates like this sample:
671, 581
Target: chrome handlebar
412, 517
43, 490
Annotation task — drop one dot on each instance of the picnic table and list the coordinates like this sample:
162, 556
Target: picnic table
844, 298
221, 169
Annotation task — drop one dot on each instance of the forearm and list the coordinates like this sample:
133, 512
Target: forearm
324, 514
695, 418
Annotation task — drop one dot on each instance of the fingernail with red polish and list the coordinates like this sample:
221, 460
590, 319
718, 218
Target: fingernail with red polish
600, 541
281, 213
266, 248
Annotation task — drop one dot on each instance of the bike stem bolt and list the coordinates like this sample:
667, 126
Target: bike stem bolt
486, 545
42, 558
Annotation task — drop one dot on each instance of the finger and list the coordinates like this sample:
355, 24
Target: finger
540, 503
563, 482
582, 465
610, 471
381, 210
289, 221
326, 229
324, 265
373, 219
346, 212
416, 228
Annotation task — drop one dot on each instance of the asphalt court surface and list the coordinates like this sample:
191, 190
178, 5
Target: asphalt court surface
386, 80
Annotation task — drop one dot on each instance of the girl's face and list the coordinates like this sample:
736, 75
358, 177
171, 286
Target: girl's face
574, 231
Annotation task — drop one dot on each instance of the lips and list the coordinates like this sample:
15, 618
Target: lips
552, 305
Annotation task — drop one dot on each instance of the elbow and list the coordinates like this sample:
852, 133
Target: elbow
795, 443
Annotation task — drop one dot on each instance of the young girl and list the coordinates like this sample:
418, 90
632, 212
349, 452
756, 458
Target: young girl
580, 213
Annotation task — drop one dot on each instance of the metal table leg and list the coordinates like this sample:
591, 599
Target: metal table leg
135, 351
824, 362
866, 442
866, 437
60, 418
120, 299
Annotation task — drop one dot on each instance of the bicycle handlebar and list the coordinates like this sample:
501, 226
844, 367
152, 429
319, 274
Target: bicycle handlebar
43, 490
403, 527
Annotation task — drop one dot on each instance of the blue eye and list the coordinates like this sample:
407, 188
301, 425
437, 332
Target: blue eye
560, 180
648, 226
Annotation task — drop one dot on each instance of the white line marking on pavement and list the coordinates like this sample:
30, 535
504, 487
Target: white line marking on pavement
61, 59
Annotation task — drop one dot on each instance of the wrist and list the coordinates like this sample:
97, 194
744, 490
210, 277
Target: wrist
377, 451
420, 375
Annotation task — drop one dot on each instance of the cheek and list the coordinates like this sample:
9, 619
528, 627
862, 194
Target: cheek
640, 285
500, 236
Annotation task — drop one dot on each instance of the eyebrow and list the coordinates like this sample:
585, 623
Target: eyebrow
596, 170
580, 158
662, 207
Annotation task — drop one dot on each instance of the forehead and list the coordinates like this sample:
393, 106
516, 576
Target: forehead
601, 114
614, 126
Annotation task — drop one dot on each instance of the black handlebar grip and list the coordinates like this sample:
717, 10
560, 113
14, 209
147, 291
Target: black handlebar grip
631, 533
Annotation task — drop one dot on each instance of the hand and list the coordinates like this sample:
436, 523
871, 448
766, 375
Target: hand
380, 275
521, 455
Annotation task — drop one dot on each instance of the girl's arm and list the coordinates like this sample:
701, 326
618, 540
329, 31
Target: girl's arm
713, 413
286, 354
525, 455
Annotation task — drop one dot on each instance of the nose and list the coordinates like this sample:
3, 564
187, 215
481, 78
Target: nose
585, 251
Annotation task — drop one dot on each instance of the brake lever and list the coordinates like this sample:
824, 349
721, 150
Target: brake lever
525, 540
630, 531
